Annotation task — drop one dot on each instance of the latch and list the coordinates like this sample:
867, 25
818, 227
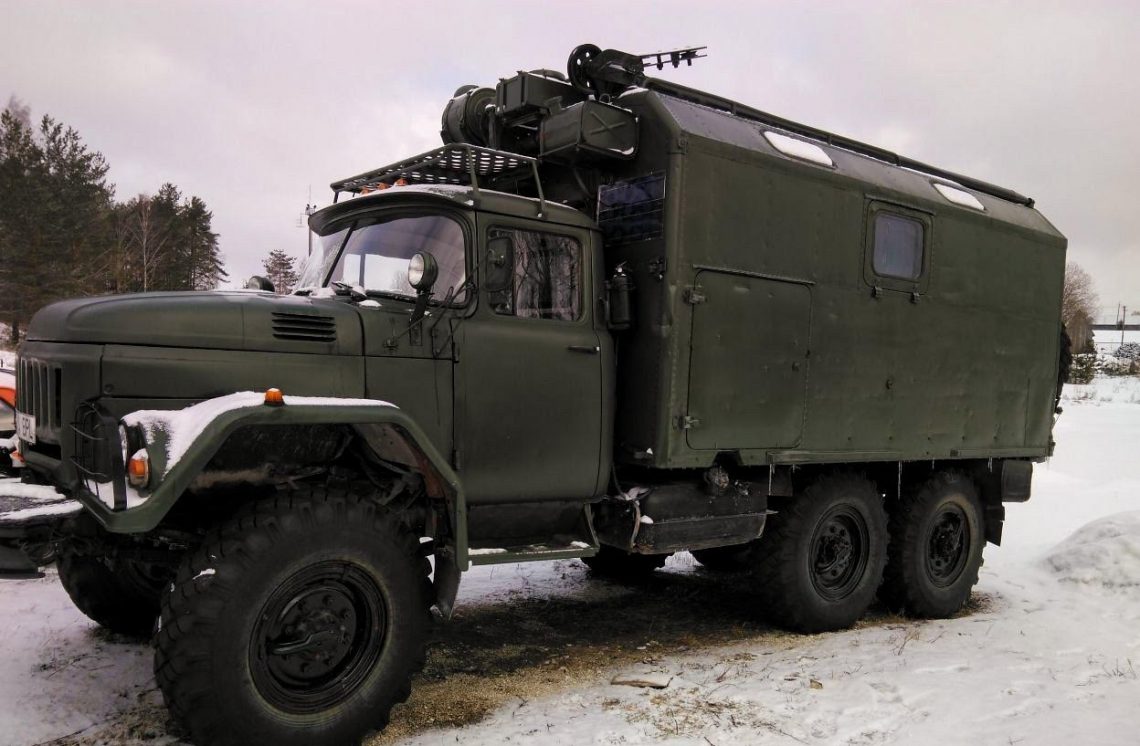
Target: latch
694, 294
688, 422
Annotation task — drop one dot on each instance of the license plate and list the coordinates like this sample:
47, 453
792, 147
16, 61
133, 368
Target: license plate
26, 428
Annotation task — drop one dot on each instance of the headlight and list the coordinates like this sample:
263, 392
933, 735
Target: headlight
422, 271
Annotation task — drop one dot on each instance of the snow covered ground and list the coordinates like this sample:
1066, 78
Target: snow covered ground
1047, 653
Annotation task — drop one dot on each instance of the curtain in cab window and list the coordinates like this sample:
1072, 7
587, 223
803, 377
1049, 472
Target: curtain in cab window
547, 277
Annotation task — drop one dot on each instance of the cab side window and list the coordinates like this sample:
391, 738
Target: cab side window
898, 246
544, 279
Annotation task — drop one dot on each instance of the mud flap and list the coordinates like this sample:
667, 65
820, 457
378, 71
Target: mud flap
446, 581
15, 565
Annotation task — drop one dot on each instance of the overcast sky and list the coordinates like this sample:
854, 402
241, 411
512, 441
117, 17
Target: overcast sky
248, 105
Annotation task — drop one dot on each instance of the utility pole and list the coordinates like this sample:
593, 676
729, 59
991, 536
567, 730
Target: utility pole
303, 219
1123, 323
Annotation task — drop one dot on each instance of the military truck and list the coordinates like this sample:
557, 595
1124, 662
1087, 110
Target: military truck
611, 318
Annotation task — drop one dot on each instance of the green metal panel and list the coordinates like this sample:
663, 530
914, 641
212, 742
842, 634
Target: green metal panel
966, 366
530, 397
749, 362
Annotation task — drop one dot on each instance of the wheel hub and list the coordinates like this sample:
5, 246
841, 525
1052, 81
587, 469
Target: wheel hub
948, 546
839, 549
318, 636
315, 633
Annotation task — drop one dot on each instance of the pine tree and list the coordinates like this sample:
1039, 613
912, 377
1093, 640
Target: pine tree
53, 217
63, 235
206, 268
280, 270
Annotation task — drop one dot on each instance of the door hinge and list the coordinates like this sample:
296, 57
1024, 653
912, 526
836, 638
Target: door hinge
694, 294
688, 422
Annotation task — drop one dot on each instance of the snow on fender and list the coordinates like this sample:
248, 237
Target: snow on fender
180, 443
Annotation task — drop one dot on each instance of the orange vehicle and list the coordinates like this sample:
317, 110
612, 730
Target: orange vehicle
7, 402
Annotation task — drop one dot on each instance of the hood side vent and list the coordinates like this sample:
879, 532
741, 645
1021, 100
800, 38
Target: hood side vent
304, 327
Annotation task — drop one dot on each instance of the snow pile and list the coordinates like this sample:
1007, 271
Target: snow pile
1104, 553
183, 426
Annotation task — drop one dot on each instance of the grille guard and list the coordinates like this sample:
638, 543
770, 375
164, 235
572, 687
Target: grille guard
97, 456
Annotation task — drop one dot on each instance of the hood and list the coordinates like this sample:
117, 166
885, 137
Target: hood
219, 320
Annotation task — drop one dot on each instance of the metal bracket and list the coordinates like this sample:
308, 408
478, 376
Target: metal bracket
694, 294
688, 422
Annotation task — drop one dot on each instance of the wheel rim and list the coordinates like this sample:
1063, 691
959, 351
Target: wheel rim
318, 637
947, 546
839, 552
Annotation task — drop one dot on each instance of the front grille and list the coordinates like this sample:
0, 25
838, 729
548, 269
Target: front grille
38, 387
304, 327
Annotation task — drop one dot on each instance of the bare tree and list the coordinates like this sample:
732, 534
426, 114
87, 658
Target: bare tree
1078, 304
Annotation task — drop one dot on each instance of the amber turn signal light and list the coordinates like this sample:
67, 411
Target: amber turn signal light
274, 398
138, 469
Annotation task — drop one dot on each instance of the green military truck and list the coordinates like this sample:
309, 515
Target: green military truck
612, 318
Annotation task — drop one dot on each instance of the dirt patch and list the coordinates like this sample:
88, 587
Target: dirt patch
493, 654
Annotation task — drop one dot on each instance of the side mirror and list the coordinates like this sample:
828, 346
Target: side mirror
500, 264
257, 282
619, 313
422, 271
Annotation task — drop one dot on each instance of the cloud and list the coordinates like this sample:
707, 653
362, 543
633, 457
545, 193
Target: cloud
248, 105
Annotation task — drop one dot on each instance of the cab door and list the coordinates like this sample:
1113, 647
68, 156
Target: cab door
529, 396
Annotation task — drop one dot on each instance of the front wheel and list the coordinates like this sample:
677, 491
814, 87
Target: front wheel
299, 622
821, 560
937, 537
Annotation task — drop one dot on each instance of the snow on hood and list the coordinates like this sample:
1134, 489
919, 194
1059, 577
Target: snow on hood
1104, 553
183, 426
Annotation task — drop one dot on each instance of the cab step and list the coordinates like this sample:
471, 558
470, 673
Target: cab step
530, 553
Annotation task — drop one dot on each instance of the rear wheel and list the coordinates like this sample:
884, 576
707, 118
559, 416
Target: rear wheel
120, 594
299, 622
821, 559
613, 563
936, 548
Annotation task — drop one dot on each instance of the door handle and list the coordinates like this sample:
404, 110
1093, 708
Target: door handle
588, 349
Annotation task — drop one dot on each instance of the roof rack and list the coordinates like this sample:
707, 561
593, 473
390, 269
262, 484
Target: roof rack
457, 163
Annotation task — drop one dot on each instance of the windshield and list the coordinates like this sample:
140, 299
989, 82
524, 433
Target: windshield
376, 251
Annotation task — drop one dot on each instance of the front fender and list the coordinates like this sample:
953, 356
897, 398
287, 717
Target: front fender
182, 442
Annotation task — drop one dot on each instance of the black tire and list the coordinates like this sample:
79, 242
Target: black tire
937, 538
615, 564
121, 595
300, 621
736, 558
821, 558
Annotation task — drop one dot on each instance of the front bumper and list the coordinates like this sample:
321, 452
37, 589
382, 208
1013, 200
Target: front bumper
32, 518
